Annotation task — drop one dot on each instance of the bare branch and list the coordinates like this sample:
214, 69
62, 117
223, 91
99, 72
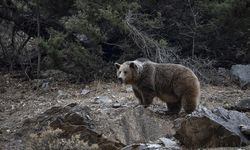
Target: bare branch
23, 44
152, 48
195, 27
3, 48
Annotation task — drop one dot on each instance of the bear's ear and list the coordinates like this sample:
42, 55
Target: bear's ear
133, 66
117, 66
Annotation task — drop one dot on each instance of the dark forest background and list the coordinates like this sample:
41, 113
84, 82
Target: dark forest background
85, 37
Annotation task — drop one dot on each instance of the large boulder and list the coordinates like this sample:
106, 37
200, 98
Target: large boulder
108, 128
243, 105
242, 74
212, 128
134, 125
76, 129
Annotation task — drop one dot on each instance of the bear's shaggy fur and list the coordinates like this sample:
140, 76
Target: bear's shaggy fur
174, 84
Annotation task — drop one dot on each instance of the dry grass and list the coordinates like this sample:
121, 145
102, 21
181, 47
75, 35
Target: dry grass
50, 140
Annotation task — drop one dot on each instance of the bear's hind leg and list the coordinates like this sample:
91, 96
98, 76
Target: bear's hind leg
174, 108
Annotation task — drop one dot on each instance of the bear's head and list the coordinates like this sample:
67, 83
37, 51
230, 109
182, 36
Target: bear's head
128, 72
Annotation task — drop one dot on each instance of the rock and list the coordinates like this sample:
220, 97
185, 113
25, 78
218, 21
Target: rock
241, 73
143, 147
85, 91
133, 125
169, 143
129, 89
243, 105
45, 86
62, 95
245, 130
116, 105
103, 99
73, 120
212, 128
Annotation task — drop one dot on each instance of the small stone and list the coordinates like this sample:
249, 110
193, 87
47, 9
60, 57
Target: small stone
168, 142
129, 89
116, 105
45, 86
103, 99
245, 129
142, 146
85, 91
62, 94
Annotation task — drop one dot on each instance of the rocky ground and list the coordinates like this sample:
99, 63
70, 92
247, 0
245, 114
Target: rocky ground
110, 106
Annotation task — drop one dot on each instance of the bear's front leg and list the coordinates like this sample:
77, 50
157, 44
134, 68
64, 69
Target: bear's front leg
138, 95
147, 99
174, 108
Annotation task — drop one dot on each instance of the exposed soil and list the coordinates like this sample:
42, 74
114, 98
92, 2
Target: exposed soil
20, 100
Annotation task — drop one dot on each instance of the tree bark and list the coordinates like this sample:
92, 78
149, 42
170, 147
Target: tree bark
37, 44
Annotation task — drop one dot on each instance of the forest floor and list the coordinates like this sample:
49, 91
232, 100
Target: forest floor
20, 100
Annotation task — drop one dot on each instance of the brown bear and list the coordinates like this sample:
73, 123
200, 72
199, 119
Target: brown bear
174, 84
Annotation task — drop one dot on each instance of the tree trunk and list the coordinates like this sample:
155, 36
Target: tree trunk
37, 44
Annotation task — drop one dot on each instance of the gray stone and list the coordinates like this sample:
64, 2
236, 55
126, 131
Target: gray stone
212, 128
129, 89
62, 94
243, 105
245, 129
133, 125
72, 120
169, 143
45, 86
241, 73
103, 99
116, 105
143, 147
85, 91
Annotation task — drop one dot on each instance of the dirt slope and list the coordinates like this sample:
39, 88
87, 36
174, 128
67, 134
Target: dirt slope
20, 100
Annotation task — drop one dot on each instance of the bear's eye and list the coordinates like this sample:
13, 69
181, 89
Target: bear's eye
125, 72
119, 72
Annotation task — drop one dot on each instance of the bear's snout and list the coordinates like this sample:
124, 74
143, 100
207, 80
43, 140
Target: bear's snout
120, 80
